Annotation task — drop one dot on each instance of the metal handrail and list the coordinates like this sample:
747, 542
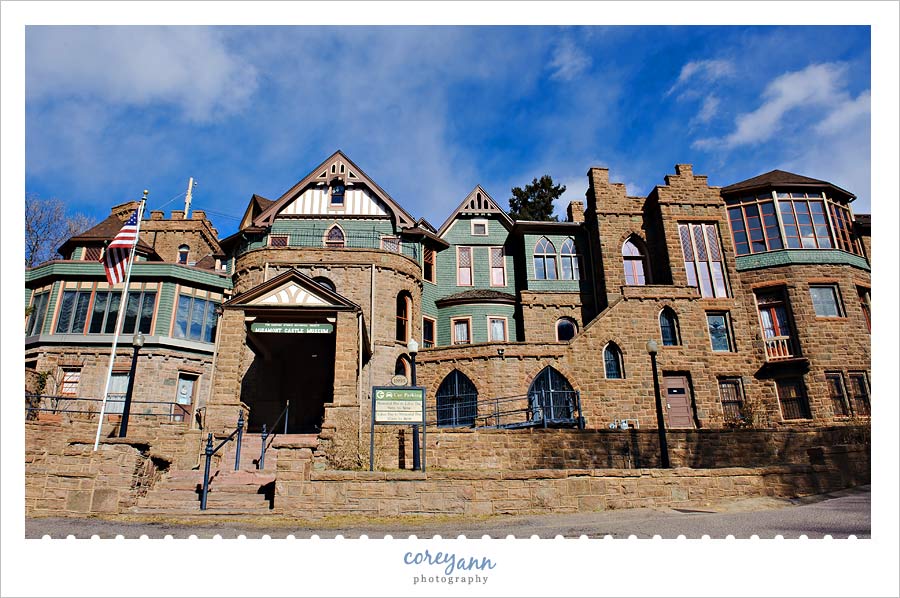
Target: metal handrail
537, 409
261, 463
210, 451
54, 401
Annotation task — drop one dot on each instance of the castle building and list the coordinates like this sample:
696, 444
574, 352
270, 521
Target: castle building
757, 295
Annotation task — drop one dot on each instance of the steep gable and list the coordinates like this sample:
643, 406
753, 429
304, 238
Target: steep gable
477, 203
365, 197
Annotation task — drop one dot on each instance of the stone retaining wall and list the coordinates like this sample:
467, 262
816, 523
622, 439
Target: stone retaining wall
64, 475
389, 494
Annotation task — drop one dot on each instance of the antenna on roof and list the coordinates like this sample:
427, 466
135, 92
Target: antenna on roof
187, 199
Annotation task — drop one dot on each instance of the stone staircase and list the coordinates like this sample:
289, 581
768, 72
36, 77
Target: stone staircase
242, 492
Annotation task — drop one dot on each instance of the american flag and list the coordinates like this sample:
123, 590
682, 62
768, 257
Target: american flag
115, 261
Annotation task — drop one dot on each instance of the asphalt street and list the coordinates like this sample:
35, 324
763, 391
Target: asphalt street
839, 515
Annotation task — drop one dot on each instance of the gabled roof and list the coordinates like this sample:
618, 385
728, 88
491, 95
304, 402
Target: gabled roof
783, 179
292, 289
104, 231
256, 206
323, 173
477, 203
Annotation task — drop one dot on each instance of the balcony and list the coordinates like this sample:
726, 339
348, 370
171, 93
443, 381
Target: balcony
780, 347
349, 240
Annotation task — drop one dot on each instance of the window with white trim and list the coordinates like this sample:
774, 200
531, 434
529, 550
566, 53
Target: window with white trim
703, 258
544, 260
462, 330
464, 266
496, 329
498, 266
68, 386
479, 228
569, 265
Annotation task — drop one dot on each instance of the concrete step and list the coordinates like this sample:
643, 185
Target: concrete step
195, 510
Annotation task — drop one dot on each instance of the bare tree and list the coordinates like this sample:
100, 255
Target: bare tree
47, 226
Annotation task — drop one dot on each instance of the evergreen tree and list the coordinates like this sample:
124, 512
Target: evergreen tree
535, 201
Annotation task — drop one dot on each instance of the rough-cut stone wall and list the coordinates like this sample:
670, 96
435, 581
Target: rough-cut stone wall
541, 311
156, 377
166, 236
840, 345
389, 494
65, 476
514, 450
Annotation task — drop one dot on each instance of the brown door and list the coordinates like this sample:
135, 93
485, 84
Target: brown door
677, 402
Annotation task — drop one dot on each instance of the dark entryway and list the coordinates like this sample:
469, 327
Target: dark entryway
295, 367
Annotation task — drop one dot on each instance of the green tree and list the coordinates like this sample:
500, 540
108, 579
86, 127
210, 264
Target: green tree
535, 201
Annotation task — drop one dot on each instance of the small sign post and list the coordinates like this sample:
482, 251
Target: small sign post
399, 406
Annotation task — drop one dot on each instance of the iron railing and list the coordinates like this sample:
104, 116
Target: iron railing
352, 240
87, 408
554, 408
261, 463
210, 451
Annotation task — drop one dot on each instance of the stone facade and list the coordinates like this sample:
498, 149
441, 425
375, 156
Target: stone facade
339, 264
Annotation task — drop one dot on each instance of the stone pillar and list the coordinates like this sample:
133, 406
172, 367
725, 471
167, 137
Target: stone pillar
225, 399
340, 436
575, 211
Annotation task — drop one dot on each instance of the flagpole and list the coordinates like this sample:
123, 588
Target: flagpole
123, 305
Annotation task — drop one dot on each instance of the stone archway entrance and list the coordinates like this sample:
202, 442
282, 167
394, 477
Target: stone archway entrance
293, 368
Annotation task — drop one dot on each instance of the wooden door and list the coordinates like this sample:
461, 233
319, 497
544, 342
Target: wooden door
184, 398
677, 402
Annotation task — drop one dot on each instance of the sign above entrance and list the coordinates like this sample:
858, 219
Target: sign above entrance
292, 328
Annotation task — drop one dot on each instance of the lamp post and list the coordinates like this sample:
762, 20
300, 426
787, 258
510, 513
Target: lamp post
652, 349
137, 342
413, 347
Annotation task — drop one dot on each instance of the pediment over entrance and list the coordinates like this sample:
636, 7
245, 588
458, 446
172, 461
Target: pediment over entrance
292, 289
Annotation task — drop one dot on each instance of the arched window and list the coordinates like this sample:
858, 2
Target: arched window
457, 401
566, 329
551, 397
401, 367
404, 308
569, 268
612, 362
334, 237
544, 260
183, 251
635, 262
325, 282
668, 327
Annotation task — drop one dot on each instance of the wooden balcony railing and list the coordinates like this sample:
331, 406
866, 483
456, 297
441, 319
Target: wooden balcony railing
779, 347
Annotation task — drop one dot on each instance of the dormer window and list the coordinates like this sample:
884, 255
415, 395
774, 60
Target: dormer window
337, 193
183, 251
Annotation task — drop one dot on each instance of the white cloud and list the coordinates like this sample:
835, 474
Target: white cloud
709, 109
188, 67
705, 71
568, 61
816, 86
846, 114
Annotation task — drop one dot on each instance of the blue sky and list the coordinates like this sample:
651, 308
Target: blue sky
429, 112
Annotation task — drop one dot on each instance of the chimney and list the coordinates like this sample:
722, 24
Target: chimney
684, 169
575, 211
177, 214
157, 215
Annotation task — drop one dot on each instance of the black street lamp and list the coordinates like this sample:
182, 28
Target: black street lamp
137, 342
413, 347
652, 349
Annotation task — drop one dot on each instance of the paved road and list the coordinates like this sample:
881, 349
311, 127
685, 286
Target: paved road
839, 514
